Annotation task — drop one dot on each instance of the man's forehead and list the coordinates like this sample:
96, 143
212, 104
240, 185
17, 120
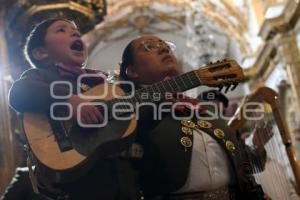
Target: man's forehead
146, 38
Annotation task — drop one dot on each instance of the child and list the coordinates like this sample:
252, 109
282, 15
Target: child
55, 51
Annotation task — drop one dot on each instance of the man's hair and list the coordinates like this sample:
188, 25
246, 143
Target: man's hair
127, 59
212, 95
36, 39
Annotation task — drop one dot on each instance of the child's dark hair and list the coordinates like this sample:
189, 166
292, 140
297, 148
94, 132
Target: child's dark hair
127, 59
36, 39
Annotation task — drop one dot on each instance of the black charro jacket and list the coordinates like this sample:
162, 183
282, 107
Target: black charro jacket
166, 162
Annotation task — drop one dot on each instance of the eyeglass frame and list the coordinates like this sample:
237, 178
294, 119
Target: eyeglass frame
160, 43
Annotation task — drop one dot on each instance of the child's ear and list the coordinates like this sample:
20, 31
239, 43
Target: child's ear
39, 53
131, 72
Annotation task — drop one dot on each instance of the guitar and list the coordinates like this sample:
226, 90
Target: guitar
68, 149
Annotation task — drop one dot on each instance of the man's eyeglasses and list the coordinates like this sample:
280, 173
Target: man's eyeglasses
152, 45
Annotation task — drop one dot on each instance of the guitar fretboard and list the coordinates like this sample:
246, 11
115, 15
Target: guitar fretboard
158, 90
220, 73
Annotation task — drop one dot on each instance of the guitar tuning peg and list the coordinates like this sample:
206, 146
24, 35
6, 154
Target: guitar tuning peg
234, 86
227, 88
220, 88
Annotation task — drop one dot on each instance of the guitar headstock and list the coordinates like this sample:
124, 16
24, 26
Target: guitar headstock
225, 73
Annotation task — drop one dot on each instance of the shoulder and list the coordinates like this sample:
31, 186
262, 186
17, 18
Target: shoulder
39, 74
32, 73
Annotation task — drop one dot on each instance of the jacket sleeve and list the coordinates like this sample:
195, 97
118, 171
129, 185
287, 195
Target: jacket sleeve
31, 93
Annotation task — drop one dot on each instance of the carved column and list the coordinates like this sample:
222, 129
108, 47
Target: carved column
289, 54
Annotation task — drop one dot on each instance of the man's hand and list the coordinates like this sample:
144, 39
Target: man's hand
89, 113
262, 134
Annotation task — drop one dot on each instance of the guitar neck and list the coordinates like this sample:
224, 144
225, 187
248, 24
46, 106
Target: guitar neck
174, 85
221, 73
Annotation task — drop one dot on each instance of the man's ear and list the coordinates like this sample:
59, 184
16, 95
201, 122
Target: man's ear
39, 53
131, 72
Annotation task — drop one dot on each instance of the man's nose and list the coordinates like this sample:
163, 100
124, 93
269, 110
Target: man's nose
164, 49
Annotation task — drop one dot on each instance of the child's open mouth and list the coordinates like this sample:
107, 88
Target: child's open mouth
77, 45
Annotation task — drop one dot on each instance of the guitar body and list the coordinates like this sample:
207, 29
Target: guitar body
87, 144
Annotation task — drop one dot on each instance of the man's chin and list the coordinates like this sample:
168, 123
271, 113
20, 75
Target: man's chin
172, 72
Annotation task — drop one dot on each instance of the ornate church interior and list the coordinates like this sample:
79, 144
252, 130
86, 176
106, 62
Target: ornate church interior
262, 36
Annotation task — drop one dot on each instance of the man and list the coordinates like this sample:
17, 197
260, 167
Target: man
187, 159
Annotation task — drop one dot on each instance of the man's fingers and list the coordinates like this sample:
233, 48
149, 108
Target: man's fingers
83, 121
98, 115
86, 118
91, 115
93, 118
